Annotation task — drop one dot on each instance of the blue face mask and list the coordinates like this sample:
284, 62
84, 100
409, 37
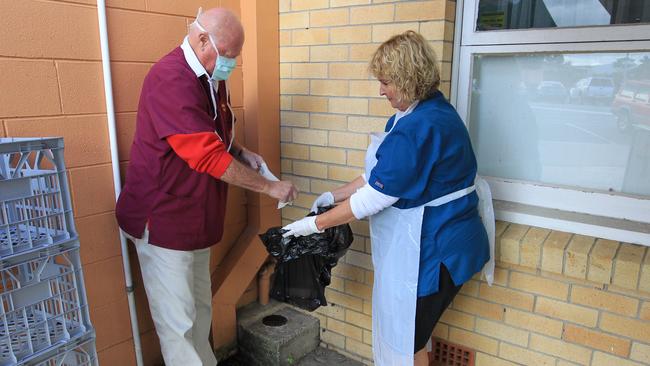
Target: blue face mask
223, 66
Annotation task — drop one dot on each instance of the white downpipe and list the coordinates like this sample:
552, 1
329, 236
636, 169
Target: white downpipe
115, 162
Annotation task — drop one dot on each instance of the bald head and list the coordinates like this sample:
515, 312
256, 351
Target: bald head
226, 30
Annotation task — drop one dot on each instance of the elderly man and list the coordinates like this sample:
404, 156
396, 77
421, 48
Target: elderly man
182, 159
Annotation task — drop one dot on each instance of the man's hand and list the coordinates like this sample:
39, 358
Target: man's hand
302, 227
324, 200
283, 191
250, 158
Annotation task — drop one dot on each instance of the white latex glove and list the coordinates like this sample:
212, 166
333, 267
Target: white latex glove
302, 227
251, 159
325, 199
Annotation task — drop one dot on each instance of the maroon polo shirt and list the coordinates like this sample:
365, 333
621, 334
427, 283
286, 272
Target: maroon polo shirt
183, 208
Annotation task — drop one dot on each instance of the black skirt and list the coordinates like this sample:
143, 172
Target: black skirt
429, 308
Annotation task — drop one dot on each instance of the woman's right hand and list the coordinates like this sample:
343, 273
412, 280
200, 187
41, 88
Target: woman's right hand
325, 199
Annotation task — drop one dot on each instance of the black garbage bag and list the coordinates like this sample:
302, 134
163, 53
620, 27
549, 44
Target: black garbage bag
304, 264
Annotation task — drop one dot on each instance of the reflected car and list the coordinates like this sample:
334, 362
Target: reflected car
631, 105
552, 91
592, 89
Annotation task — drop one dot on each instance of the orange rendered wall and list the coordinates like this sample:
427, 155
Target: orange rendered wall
51, 85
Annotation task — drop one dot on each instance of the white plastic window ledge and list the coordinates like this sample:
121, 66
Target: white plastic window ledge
619, 218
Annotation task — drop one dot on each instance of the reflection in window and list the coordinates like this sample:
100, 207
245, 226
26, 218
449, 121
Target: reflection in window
580, 120
523, 14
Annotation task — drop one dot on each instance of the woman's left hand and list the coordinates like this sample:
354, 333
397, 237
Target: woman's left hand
302, 227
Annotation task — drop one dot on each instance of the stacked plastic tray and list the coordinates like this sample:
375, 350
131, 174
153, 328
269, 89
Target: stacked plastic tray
44, 313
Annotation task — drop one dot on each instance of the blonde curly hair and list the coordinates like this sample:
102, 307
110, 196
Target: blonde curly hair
408, 61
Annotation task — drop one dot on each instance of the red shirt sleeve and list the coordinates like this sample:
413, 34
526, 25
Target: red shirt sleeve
203, 152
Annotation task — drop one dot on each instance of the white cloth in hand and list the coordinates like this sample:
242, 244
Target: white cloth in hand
266, 173
324, 200
302, 227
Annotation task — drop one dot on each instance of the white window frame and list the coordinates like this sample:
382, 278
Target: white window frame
614, 216
604, 33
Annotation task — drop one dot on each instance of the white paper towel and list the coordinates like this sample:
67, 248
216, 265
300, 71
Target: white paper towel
266, 173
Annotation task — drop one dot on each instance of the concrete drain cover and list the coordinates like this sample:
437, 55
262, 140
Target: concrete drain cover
274, 320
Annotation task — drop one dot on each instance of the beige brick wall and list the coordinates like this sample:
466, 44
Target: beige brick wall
559, 298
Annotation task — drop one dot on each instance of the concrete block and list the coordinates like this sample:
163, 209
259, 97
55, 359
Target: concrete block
92, 190
187, 7
107, 279
125, 132
99, 237
127, 79
81, 85
111, 323
86, 137
18, 100
124, 24
283, 345
120, 354
52, 30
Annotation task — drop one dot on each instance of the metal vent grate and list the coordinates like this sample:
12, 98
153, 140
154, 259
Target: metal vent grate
449, 354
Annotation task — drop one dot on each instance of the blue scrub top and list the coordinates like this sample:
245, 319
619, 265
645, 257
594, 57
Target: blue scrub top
428, 155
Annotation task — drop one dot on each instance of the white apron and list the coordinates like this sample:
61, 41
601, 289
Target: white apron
395, 236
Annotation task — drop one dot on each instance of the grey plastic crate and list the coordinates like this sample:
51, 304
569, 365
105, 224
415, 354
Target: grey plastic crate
43, 306
83, 354
35, 206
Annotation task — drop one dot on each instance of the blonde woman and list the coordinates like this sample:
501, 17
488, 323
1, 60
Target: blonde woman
418, 191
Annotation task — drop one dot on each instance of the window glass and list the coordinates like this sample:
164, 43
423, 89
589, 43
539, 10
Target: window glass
580, 120
524, 14
643, 95
626, 92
